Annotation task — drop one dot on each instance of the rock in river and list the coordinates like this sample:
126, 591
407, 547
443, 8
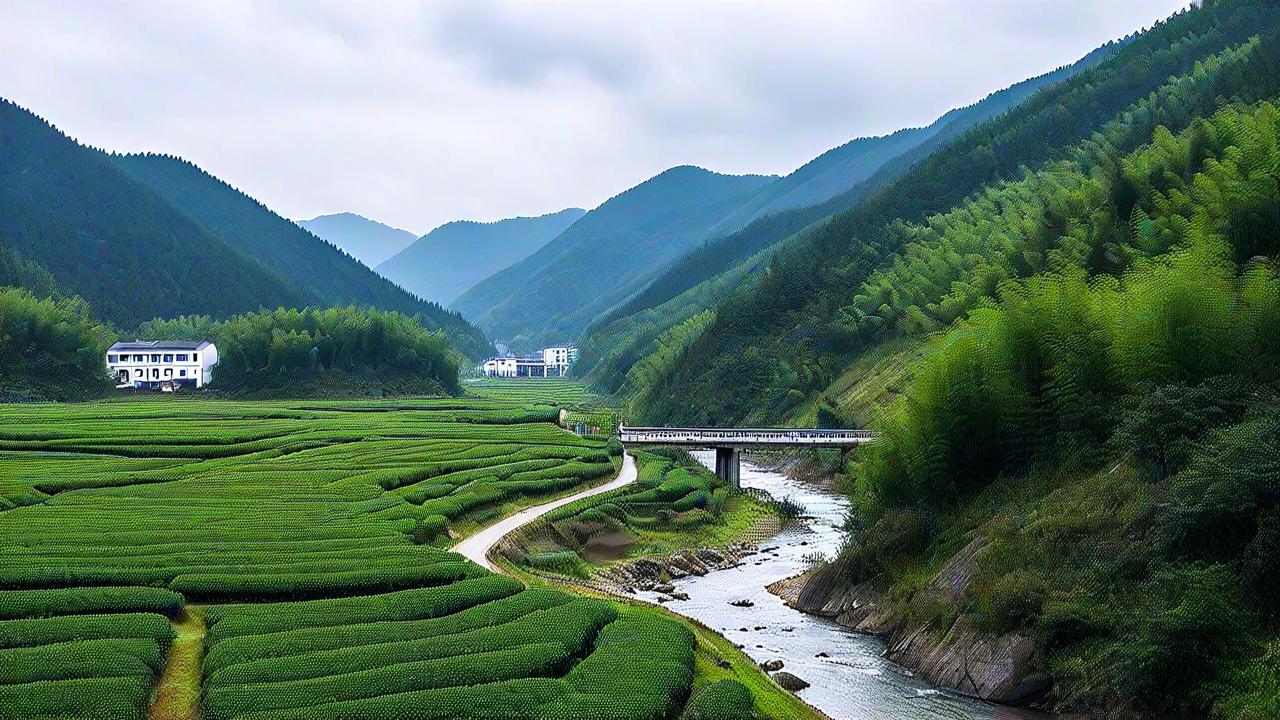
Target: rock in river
789, 681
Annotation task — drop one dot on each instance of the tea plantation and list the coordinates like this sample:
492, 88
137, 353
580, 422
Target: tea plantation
675, 503
306, 540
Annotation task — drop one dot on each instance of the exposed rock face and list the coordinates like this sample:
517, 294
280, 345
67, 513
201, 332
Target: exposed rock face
656, 573
998, 668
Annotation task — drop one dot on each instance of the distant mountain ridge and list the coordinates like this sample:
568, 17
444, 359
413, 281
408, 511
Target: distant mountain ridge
368, 241
600, 259
447, 261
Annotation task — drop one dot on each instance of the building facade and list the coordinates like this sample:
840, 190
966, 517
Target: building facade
551, 362
155, 363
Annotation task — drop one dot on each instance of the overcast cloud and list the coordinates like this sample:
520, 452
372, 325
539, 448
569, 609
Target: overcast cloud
419, 113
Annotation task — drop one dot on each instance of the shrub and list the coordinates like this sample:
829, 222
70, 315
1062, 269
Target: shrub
721, 700
72, 601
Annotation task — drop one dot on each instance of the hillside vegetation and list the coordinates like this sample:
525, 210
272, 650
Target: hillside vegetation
782, 338
145, 236
835, 181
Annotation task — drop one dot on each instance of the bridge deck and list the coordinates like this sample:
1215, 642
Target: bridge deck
724, 437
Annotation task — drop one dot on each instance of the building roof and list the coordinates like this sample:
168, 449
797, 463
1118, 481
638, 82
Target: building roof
159, 345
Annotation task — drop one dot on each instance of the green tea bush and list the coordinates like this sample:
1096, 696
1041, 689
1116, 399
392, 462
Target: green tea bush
125, 698
72, 601
235, 620
243, 648
536, 660
721, 700
82, 659
65, 628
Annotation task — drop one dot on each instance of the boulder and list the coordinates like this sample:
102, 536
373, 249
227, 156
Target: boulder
788, 681
771, 665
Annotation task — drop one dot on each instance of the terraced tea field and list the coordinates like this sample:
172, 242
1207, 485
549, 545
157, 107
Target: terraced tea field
674, 503
307, 538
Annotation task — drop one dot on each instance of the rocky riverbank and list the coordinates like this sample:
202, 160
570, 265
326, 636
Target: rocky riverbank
960, 657
656, 573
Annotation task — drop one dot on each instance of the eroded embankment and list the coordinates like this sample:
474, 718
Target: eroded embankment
956, 656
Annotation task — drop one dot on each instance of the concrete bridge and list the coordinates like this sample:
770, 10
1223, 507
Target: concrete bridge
729, 442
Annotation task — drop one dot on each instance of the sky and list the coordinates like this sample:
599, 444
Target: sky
418, 113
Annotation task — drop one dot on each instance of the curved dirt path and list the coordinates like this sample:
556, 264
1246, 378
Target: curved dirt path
476, 547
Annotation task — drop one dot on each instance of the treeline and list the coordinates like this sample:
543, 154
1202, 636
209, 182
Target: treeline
793, 323
265, 347
50, 348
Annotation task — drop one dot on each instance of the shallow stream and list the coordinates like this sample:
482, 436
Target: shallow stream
849, 680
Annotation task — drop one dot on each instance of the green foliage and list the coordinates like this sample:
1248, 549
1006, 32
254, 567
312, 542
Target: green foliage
786, 336
51, 346
48, 603
721, 700
257, 349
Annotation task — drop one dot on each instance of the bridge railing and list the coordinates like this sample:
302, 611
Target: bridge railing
750, 436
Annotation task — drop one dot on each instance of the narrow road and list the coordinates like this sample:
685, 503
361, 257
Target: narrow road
476, 547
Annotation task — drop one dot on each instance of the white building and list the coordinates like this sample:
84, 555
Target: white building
152, 363
551, 362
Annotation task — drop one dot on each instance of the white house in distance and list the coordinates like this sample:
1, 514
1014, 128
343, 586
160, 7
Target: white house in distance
152, 363
551, 362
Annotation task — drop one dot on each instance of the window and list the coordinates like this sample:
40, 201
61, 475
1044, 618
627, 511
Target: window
168, 372
124, 358
155, 357
137, 373
155, 372
168, 358
182, 357
113, 358
182, 373
195, 357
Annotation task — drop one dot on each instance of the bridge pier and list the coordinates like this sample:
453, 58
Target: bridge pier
728, 466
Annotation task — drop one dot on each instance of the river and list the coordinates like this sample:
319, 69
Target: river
849, 680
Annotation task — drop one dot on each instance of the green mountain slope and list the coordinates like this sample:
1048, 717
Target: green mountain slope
1086, 464
779, 342
551, 295
834, 182
114, 241
447, 261
368, 241
319, 271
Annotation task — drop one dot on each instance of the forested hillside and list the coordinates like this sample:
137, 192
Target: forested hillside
447, 261
778, 342
604, 256
70, 214
831, 183
325, 274
1099, 449
368, 241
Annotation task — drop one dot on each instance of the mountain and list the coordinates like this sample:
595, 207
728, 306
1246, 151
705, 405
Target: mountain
368, 241
552, 295
146, 236
833, 182
445, 262
322, 273
794, 320
102, 234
